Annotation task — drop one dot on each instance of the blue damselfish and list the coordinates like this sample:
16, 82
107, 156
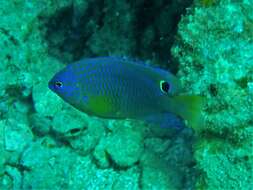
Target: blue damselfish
119, 88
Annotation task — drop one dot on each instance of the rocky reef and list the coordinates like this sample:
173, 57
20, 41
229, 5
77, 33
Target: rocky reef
45, 143
214, 49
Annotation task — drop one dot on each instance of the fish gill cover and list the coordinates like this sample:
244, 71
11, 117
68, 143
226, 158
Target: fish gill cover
45, 143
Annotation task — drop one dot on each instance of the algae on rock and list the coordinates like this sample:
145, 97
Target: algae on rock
49, 138
214, 49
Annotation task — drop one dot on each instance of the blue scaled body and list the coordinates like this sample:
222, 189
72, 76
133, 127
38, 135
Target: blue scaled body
119, 88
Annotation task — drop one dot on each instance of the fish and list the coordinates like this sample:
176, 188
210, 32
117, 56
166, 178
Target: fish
121, 88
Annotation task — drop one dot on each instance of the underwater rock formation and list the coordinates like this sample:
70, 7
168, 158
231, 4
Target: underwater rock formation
214, 51
42, 136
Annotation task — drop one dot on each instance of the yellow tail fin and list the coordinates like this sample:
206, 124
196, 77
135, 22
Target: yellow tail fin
189, 108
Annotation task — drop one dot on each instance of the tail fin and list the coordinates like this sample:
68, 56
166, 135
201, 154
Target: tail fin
189, 108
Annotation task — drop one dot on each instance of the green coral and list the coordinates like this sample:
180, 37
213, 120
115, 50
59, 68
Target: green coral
221, 161
214, 49
45, 142
42, 136
121, 138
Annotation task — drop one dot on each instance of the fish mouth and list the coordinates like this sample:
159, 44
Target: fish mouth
51, 85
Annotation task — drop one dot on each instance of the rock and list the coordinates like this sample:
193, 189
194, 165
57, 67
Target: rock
62, 168
85, 175
43, 162
16, 177
128, 179
6, 182
155, 179
40, 124
125, 146
3, 152
157, 174
157, 145
17, 136
100, 154
46, 102
88, 138
69, 123
218, 66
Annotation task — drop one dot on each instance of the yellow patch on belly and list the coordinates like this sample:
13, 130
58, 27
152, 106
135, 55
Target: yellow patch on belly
101, 106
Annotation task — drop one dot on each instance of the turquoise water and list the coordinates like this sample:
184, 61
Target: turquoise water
46, 144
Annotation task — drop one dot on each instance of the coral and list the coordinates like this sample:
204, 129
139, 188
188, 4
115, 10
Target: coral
105, 41
100, 155
155, 178
128, 179
225, 76
39, 124
214, 49
15, 175
46, 143
17, 136
43, 162
124, 137
69, 170
87, 140
156, 173
6, 182
167, 163
221, 162
3, 157
69, 122
45, 103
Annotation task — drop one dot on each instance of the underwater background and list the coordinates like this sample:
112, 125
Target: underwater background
46, 144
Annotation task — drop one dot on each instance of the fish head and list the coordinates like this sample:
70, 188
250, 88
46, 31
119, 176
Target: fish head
66, 85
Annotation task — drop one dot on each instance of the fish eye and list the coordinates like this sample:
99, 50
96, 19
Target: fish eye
58, 84
164, 86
